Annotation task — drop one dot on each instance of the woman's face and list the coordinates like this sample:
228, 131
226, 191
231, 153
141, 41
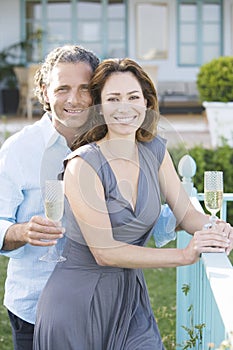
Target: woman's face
123, 103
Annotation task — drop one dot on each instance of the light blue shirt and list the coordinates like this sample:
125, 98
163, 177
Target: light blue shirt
26, 159
164, 230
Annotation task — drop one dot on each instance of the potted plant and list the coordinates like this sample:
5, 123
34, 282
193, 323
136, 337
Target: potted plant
9, 57
8, 83
215, 87
15, 55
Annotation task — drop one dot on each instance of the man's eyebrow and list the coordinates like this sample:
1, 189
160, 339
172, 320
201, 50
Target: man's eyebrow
62, 86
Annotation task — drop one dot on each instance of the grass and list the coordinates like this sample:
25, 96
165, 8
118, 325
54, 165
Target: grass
162, 290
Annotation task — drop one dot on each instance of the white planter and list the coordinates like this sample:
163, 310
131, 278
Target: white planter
220, 121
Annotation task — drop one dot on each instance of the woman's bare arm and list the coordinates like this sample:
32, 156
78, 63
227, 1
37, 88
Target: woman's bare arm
85, 194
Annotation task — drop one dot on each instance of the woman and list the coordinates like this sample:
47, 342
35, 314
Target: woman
97, 299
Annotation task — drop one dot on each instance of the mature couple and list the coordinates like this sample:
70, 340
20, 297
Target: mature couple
114, 178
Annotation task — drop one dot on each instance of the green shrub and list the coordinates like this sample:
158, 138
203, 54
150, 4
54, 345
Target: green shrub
215, 80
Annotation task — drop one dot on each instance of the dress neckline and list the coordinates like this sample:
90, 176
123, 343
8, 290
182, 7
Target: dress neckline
133, 209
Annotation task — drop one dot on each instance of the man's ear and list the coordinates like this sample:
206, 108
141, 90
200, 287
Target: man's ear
45, 93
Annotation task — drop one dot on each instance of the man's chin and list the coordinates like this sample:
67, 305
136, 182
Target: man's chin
73, 122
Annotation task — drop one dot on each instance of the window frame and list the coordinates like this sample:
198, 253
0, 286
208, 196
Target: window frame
161, 53
199, 24
104, 42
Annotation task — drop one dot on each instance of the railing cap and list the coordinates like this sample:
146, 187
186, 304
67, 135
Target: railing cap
187, 169
187, 166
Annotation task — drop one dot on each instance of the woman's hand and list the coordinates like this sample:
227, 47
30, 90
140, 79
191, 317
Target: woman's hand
228, 230
209, 241
230, 237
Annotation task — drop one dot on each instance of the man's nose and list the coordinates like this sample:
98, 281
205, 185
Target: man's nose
74, 97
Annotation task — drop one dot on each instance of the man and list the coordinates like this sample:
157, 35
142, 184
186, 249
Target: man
28, 158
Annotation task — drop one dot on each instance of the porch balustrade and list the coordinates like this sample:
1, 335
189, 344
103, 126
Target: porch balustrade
205, 289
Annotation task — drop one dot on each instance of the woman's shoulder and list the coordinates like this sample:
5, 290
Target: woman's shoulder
86, 151
157, 147
89, 153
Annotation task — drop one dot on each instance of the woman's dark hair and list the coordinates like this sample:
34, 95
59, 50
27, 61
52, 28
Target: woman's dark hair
97, 127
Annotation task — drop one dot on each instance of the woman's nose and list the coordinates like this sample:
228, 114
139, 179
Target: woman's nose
122, 107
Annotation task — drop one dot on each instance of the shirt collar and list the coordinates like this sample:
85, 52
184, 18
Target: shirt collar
50, 134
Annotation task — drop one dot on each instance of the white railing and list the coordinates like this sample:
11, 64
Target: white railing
205, 289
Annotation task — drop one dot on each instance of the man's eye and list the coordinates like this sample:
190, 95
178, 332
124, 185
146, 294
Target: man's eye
62, 88
84, 89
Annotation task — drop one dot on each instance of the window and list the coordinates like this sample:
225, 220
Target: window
89, 25
117, 31
151, 43
199, 31
99, 25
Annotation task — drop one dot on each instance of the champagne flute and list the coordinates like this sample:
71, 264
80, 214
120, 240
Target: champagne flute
213, 193
54, 208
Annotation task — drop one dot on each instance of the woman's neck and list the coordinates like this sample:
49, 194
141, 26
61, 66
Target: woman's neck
119, 147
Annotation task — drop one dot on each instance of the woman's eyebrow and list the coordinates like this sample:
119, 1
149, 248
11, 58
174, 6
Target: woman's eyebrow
118, 93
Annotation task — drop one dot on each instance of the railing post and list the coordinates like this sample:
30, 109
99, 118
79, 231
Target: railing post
186, 169
209, 300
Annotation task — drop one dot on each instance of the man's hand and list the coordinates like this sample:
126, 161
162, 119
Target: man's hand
38, 231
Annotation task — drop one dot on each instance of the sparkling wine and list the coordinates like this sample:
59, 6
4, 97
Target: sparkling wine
54, 210
213, 201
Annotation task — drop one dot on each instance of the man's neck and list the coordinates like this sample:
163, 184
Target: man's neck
68, 132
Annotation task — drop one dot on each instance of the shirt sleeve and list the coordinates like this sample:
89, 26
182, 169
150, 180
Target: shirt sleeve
164, 228
11, 194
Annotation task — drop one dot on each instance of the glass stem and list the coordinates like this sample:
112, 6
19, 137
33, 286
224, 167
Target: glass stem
213, 220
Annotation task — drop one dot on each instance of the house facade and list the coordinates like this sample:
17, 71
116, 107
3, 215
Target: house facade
170, 38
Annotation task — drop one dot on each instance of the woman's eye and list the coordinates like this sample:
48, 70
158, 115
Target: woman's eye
112, 99
134, 97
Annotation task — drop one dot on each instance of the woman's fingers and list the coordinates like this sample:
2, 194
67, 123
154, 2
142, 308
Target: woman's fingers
212, 240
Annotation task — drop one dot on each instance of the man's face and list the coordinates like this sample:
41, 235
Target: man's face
68, 95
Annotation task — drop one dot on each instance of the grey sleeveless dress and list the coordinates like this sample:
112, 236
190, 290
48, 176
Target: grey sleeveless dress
85, 306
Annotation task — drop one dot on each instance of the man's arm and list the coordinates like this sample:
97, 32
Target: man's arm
38, 232
13, 237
